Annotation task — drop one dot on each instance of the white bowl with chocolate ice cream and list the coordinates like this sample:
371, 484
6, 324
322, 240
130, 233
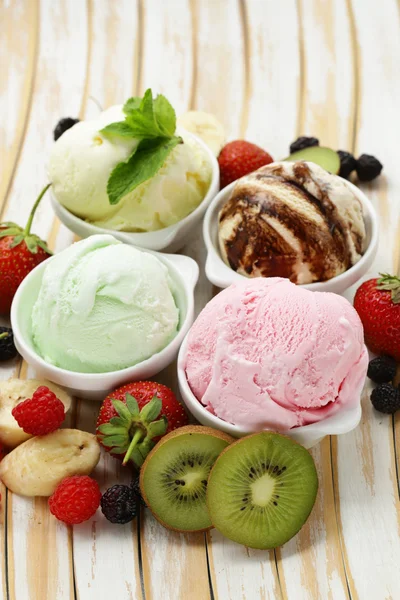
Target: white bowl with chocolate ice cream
294, 220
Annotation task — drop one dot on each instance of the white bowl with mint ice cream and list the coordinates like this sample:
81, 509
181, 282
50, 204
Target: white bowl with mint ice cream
160, 213
102, 313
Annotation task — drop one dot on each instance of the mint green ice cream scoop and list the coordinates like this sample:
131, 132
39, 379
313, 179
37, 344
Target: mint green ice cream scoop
103, 306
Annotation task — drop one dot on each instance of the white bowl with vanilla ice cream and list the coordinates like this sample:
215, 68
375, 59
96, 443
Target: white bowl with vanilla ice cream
160, 214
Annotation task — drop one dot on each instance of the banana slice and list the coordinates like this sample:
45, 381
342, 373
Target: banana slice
205, 126
38, 465
14, 391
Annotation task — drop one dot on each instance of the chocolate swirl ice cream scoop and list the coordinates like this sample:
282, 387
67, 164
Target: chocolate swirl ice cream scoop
291, 220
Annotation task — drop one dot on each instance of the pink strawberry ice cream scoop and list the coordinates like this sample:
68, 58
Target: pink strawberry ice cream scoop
267, 354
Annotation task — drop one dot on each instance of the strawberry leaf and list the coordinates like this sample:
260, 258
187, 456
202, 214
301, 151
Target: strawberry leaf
119, 450
123, 411
115, 440
111, 429
132, 405
151, 411
157, 428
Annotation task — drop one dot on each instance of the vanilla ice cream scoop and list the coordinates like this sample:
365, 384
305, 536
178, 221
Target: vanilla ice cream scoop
103, 306
82, 160
294, 220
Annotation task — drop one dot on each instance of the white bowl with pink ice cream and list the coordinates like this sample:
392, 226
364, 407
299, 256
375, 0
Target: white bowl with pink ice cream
265, 354
291, 219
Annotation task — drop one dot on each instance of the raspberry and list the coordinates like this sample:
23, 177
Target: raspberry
7, 347
118, 504
347, 163
75, 499
368, 167
303, 142
63, 125
41, 414
386, 398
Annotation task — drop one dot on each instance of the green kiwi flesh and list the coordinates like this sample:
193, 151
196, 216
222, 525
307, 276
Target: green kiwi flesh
174, 477
261, 490
326, 158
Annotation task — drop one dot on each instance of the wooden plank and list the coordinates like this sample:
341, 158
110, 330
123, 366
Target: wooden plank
174, 565
48, 573
267, 117
311, 564
365, 469
18, 59
99, 547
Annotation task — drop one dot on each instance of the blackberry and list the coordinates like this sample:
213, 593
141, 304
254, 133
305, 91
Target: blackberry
63, 125
368, 167
382, 369
119, 504
386, 398
136, 490
303, 142
347, 163
7, 347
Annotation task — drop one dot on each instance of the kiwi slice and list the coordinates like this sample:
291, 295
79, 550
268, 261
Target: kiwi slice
173, 478
326, 158
261, 490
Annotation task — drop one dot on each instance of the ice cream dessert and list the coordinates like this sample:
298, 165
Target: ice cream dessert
294, 220
84, 157
103, 306
267, 354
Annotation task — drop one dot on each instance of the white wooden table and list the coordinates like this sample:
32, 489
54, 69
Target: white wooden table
270, 70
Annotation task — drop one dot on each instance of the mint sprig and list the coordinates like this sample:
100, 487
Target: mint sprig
153, 122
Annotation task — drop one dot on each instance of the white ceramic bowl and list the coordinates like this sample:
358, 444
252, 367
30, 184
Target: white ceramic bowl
95, 386
221, 275
345, 420
169, 239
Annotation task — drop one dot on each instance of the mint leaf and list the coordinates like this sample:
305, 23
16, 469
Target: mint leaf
131, 104
141, 166
121, 128
142, 120
165, 116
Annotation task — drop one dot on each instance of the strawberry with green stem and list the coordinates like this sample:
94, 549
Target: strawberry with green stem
377, 302
133, 418
20, 252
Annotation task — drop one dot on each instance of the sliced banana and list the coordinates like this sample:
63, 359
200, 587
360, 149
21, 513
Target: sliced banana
14, 391
38, 465
206, 126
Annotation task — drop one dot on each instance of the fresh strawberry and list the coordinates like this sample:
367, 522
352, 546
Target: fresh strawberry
20, 252
239, 158
134, 417
377, 302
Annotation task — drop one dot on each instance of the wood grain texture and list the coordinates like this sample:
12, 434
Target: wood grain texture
311, 564
101, 548
167, 66
269, 71
18, 59
365, 468
48, 573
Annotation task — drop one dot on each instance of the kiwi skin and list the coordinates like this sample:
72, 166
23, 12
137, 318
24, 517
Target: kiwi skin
176, 433
238, 441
